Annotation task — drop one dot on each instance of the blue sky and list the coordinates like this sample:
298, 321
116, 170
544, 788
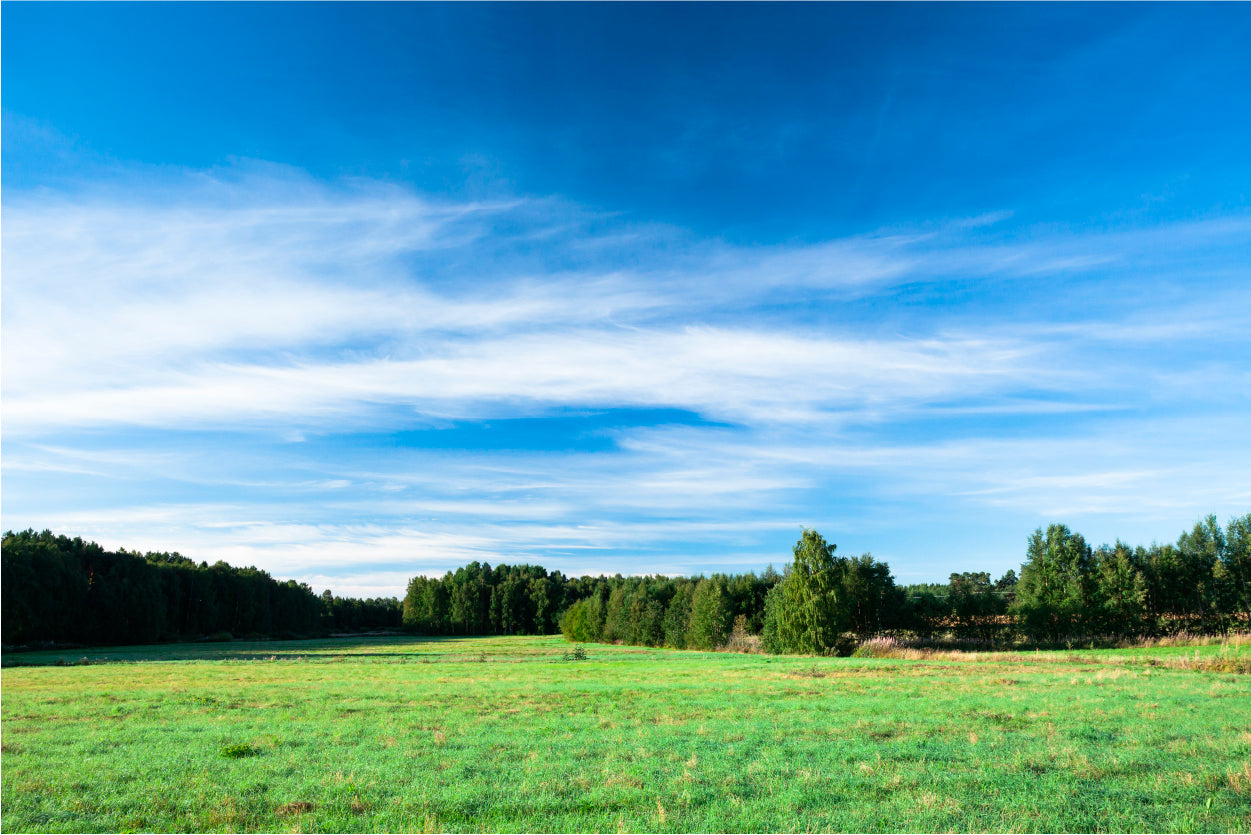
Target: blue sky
354, 292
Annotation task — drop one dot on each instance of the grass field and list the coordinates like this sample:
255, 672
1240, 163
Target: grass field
501, 734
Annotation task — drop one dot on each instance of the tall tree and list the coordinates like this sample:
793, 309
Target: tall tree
1118, 604
1051, 594
866, 595
1237, 564
1199, 551
807, 611
678, 615
710, 615
974, 604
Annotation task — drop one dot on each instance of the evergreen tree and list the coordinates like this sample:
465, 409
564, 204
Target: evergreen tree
808, 614
678, 615
1120, 591
1237, 565
1051, 594
1199, 552
710, 615
867, 597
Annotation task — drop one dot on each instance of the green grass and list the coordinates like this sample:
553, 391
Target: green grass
403, 734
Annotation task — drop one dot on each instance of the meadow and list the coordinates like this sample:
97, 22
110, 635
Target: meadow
506, 734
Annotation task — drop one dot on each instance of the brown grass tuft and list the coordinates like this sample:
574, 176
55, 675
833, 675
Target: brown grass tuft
299, 807
1240, 781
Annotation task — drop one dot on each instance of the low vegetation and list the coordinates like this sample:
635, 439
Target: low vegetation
504, 734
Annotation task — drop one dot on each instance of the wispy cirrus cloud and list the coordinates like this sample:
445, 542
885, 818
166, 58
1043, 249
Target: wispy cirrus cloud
163, 337
723, 374
229, 299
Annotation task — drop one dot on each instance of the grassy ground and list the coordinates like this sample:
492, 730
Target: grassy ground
503, 735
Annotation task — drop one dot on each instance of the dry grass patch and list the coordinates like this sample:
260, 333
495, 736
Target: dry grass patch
1240, 780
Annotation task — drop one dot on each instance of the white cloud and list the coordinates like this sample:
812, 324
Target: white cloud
724, 374
264, 305
269, 296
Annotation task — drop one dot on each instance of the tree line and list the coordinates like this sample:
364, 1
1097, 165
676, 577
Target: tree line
527, 600
1066, 590
824, 602
67, 590
63, 590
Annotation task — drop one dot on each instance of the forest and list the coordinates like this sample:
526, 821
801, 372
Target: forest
57, 589
66, 591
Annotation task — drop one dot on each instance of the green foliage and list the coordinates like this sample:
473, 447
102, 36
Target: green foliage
1236, 562
57, 589
808, 617
1199, 553
69, 591
1051, 596
617, 623
710, 615
771, 633
239, 751
975, 605
822, 597
1119, 596
480, 600
867, 595
678, 616
578, 622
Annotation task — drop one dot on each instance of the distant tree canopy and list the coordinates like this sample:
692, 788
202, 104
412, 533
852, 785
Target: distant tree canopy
67, 590
476, 600
824, 603
1202, 584
57, 589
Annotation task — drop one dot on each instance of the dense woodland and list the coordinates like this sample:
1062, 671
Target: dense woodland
62, 590
69, 591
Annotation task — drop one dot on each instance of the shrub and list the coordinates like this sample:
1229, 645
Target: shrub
741, 640
239, 751
883, 647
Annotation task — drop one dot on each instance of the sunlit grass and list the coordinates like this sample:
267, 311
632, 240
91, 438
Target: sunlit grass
502, 734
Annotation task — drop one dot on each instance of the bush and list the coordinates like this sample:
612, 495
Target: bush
845, 644
741, 640
883, 647
239, 751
